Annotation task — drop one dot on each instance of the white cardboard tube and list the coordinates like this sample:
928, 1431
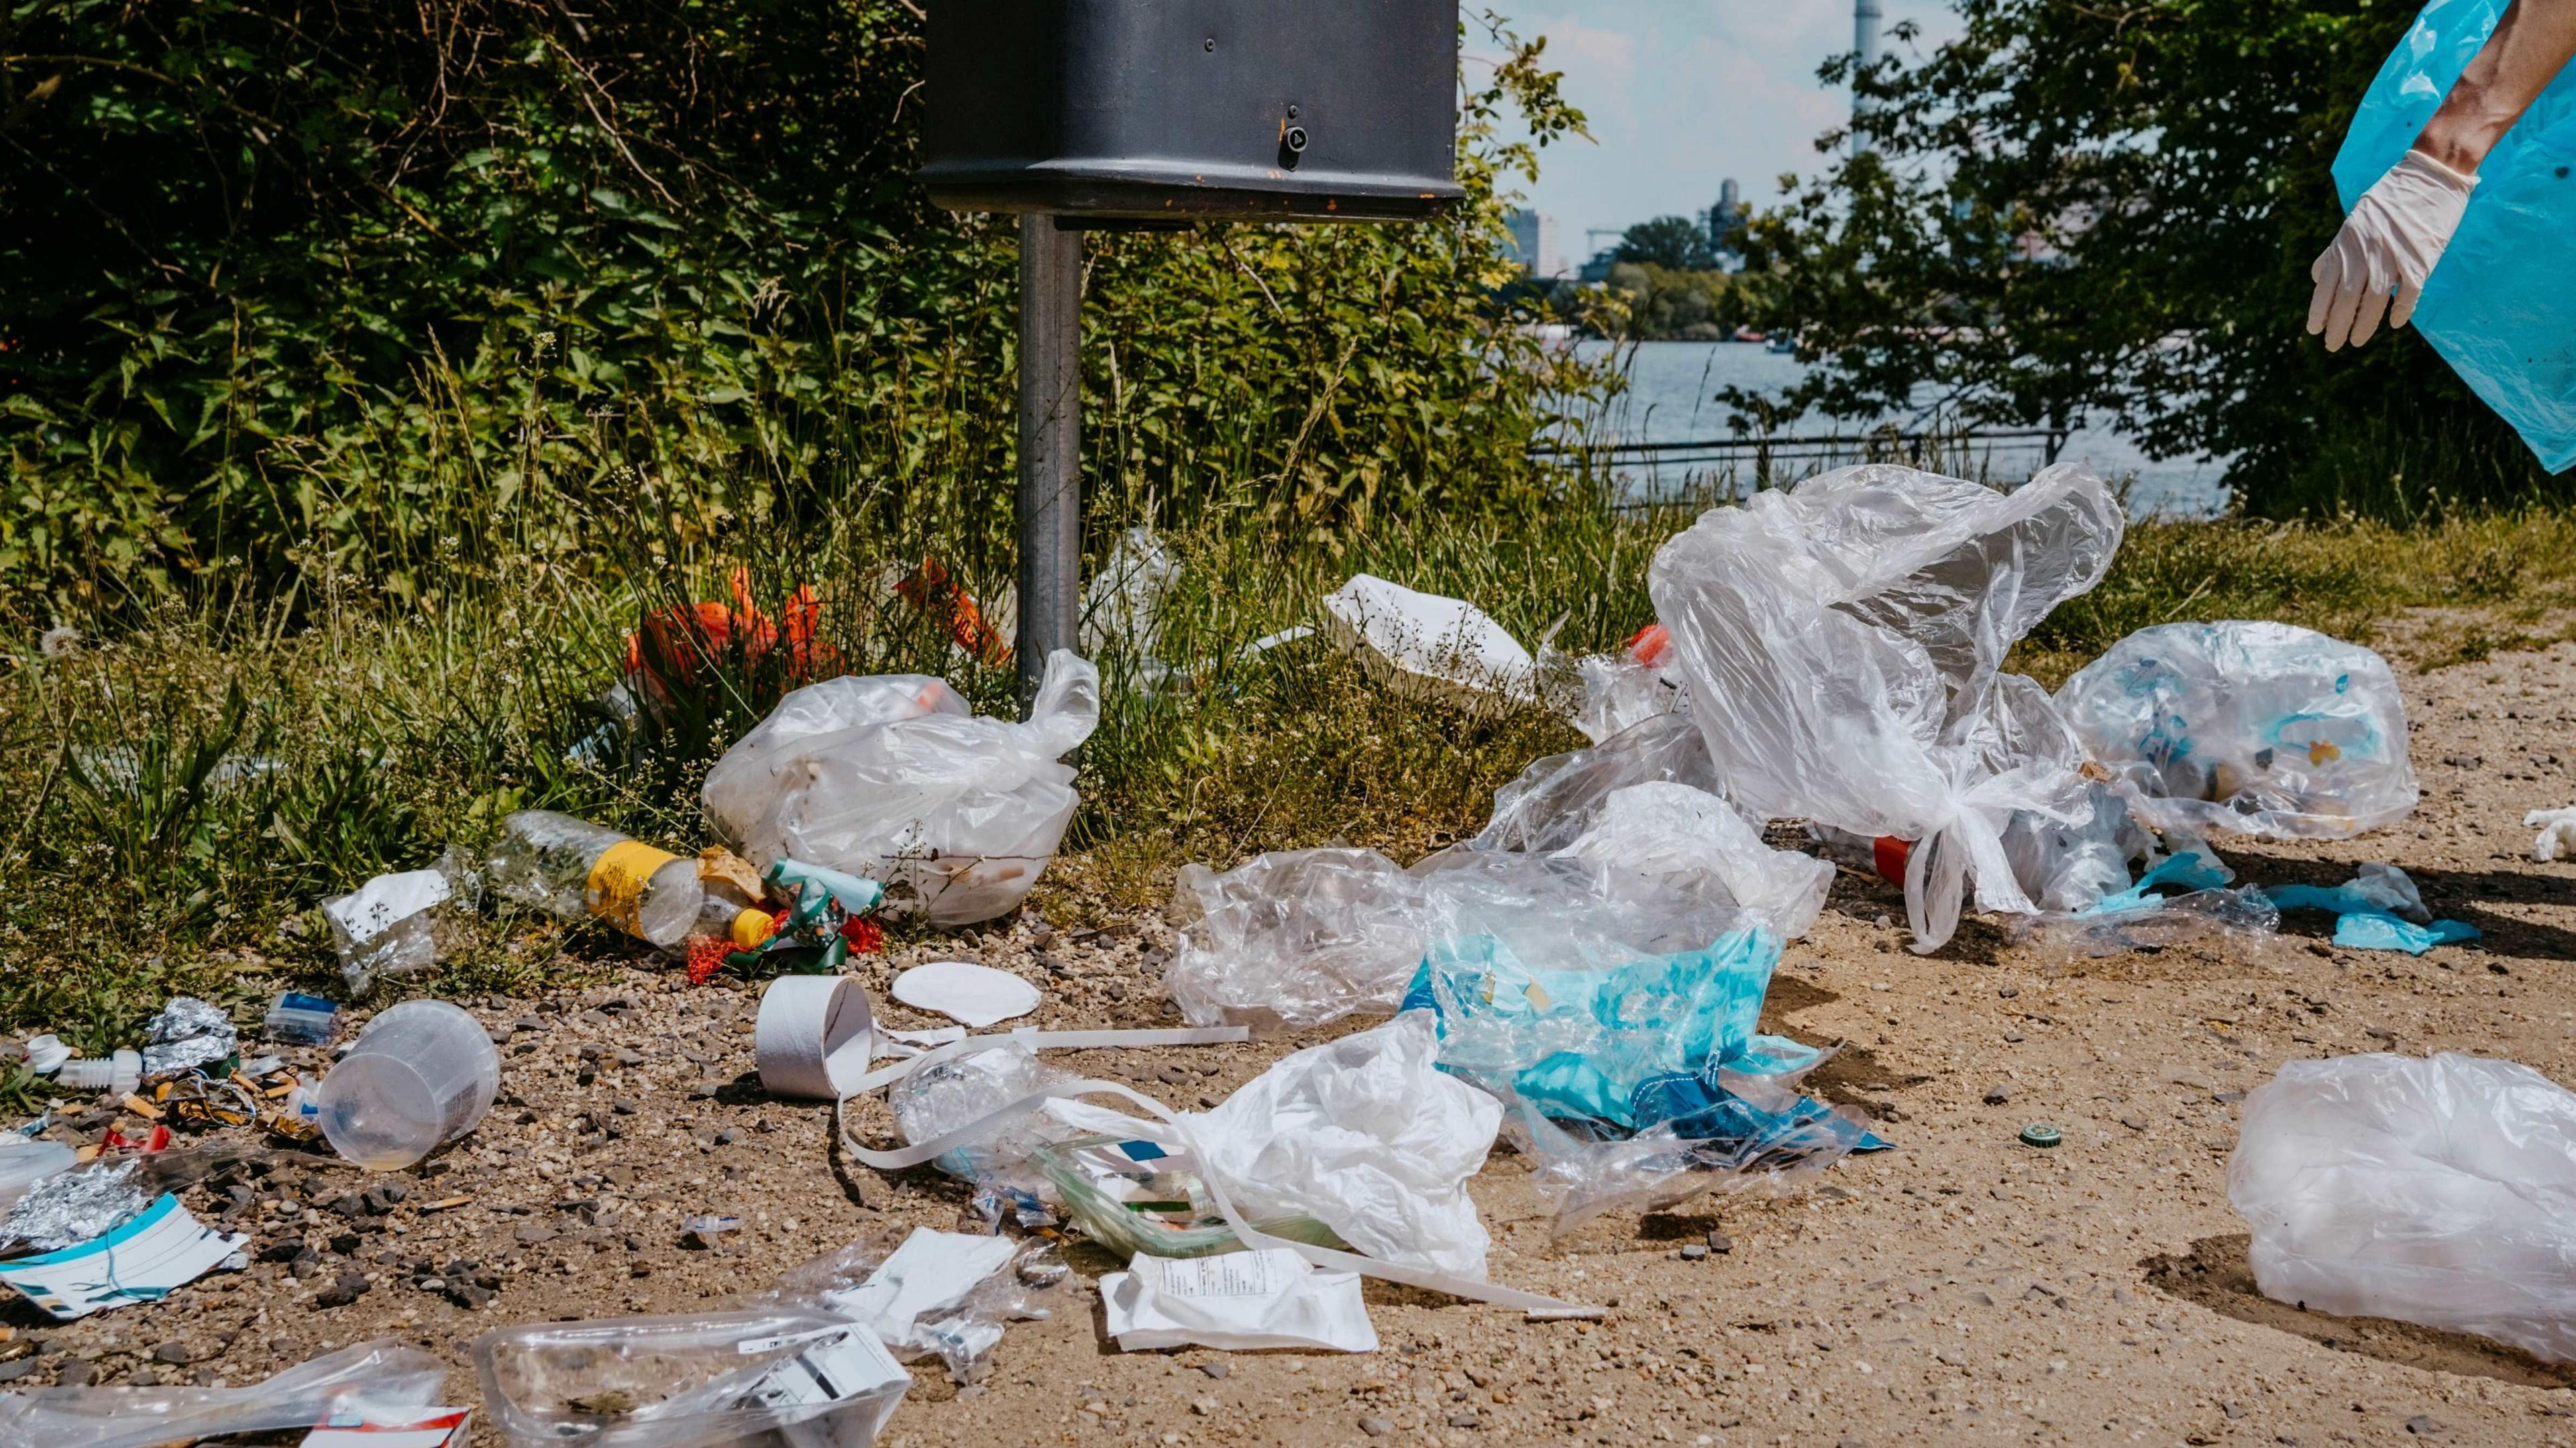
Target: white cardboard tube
814, 1036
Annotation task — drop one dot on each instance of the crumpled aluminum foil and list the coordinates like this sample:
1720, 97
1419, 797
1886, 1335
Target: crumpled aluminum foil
69, 1208
189, 1033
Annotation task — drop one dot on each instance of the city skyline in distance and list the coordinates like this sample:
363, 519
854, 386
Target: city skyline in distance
1682, 94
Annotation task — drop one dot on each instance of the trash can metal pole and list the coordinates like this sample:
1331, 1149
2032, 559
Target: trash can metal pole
1050, 445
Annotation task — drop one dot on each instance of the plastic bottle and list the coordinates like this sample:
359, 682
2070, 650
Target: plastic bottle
116, 1075
422, 1075
575, 868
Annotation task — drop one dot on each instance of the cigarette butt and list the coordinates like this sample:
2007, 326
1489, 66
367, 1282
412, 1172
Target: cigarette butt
445, 1203
143, 1108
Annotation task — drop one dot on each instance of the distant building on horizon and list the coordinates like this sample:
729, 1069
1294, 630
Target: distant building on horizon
1726, 223
1535, 245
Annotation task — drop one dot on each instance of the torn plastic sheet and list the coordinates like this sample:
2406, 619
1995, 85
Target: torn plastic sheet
2143, 918
1612, 693
690, 1380
1554, 801
396, 925
946, 1295
1842, 642
382, 1377
1696, 842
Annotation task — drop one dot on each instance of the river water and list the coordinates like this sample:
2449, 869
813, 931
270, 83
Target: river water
1671, 397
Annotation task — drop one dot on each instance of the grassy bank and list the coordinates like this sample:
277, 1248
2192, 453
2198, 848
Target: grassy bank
182, 793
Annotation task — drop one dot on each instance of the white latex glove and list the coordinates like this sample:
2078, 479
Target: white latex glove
2391, 242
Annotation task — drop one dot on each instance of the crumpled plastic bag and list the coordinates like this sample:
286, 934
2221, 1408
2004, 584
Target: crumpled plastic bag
1305, 937
367, 1375
889, 778
2262, 728
1559, 796
1122, 608
2439, 1191
1691, 839
2557, 837
399, 924
684, 1381
2498, 308
1425, 647
933, 1294
1842, 640
1615, 692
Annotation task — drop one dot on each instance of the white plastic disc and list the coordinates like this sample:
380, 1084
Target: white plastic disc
976, 994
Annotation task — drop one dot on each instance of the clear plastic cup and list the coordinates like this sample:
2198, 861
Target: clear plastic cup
421, 1076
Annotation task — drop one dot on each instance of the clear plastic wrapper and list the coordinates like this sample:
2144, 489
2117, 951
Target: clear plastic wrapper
187, 1035
2438, 1191
400, 924
1750, 1140
368, 1375
799, 1375
2260, 728
1122, 608
2143, 917
928, 1294
1295, 938
956, 814
1611, 693
1425, 647
1842, 643
1695, 841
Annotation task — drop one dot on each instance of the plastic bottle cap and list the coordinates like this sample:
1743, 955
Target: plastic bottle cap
2040, 1134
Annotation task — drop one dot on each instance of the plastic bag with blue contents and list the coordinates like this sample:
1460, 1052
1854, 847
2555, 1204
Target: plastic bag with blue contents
2261, 728
2498, 307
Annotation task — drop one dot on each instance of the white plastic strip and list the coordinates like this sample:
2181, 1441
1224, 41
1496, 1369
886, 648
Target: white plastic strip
1532, 1303
1037, 1040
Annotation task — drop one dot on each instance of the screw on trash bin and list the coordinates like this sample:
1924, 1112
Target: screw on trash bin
2039, 1134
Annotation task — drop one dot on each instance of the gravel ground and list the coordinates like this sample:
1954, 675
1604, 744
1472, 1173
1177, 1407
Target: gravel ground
1962, 1287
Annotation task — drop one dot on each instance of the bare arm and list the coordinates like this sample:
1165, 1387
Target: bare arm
2532, 42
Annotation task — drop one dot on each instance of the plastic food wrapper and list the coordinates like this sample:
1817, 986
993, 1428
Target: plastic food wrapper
2261, 728
1425, 647
2498, 308
366, 1377
1696, 841
1842, 643
396, 925
1241, 1302
692, 1381
2438, 1191
188, 1034
917, 1301
1559, 797
955, 813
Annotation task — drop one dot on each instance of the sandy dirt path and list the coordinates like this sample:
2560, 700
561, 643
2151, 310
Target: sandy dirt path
1961, 1288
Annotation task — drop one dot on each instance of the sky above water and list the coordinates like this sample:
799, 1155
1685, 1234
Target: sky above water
1684, 93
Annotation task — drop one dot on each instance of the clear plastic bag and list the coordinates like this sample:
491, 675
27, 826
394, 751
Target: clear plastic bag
1425, 647
957, 814
1696, 842
382, 1375
1612, 693
2498, 308
926, 1293
1558, 797
702, 1380
1295, 938
1122, 609
2261, 728
401, 924
1842, 640
2438, 1191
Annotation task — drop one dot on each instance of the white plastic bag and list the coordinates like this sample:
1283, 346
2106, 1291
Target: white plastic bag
2262, 728
1364, 1134
1423, 646
1841, 643
1240, 1302
1558, 797
1694, 840
381, 1375
1122, 609
2438, 1191
890, 778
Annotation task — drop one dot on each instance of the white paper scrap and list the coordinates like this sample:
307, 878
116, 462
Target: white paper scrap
143, 1261
929, 1274
1239, 1301
394, 1428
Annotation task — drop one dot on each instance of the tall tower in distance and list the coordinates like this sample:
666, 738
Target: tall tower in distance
1865, 28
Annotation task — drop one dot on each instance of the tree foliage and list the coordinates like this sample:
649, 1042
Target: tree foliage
2077, 208
361, 287
1675, 243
